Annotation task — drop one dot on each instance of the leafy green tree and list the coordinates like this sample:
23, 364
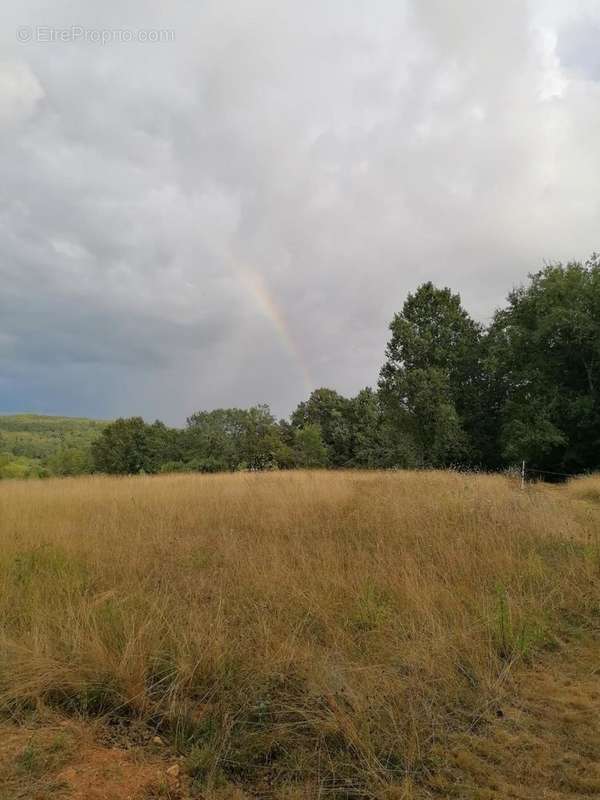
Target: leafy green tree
366, 421
545, 354
310, 451
432, 374
260, 440
163, 444
123, 448
331, 412
213, 439
233, 438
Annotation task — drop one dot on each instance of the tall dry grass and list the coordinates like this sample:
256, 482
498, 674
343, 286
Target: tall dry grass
325, 629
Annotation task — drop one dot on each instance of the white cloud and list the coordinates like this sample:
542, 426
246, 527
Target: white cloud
20, 92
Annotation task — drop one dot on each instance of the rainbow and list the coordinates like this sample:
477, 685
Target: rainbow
255, 284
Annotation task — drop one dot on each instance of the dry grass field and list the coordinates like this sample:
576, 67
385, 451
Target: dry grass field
299, 635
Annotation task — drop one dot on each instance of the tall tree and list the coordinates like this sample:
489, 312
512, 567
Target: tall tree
545, 352
430, 379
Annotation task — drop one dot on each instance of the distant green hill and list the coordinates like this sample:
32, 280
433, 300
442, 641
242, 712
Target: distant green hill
35, 445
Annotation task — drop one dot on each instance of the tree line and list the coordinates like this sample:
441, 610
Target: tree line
38, 446
451, 392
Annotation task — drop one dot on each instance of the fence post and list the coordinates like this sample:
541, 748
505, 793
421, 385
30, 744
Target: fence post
523, 475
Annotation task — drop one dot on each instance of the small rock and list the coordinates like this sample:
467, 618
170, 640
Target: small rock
174, 771
157, 740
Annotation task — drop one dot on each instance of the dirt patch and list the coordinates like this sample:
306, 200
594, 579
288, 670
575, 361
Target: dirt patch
108, 774
67, 760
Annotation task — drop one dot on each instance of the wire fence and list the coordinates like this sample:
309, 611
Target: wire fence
551, 472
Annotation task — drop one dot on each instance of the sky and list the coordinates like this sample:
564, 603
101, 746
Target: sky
216, 203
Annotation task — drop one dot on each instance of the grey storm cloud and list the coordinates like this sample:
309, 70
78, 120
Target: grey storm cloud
234, 216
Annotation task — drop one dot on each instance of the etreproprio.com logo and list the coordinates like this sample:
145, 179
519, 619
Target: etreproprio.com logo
47, 34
